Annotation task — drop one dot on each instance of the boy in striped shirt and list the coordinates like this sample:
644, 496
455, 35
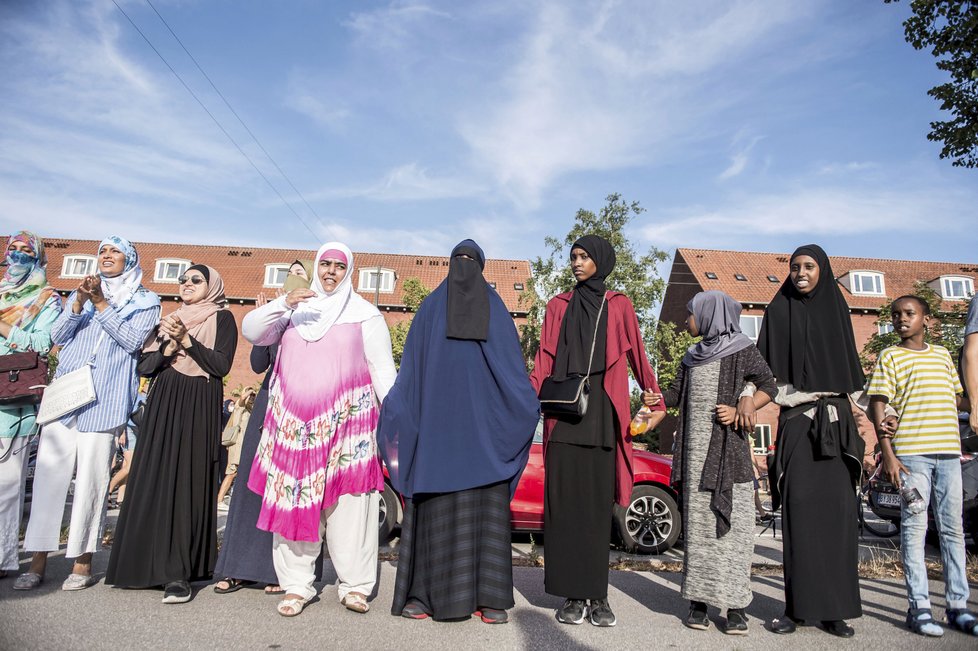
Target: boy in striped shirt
923, 452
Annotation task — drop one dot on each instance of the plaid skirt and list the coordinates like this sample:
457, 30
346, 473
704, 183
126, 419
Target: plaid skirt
455, 554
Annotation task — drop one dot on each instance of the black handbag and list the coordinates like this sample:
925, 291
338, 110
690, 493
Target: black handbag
569, 396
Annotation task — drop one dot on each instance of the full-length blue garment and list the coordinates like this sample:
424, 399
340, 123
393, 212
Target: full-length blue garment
462, 412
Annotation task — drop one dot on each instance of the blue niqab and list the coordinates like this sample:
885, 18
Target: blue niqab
462, 412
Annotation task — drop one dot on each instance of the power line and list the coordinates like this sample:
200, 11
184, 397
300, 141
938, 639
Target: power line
216, 121
233, 112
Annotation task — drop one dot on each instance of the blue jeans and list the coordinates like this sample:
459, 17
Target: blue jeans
938, 478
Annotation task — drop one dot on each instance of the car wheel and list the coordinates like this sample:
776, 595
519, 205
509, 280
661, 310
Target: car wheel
390, 511
651, 523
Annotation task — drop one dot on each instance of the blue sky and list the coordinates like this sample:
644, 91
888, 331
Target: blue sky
409, 125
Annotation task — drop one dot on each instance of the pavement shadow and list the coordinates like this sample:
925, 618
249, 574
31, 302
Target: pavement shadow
542, 631
653, 595
528, 581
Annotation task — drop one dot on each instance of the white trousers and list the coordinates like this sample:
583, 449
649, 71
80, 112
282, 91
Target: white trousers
352, 540
61, 449
13, 472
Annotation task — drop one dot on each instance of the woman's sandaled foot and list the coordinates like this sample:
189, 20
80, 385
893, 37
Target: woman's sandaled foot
28, 581
356, 601
228, 585
78, 582
274, 589
291, 605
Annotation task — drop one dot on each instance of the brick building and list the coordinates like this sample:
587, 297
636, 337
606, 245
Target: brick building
754, 278
247, 271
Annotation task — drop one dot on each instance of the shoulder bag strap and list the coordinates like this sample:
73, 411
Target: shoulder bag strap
594, 340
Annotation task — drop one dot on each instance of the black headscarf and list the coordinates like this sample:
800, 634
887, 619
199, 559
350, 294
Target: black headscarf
807, 340
578, 326
202, 268
468, 294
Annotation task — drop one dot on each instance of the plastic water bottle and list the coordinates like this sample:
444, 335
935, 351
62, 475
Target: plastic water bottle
912, 499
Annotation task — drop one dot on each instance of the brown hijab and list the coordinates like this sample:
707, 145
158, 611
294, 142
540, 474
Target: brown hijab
200, 320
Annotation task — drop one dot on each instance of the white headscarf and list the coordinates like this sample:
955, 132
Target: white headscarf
313, 318
125, 292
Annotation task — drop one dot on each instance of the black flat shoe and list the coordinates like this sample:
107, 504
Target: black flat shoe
783, 626
177, 592
736, 622
839, 628
572, 612
697, 619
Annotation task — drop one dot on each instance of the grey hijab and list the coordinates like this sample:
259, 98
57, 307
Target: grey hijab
717, 318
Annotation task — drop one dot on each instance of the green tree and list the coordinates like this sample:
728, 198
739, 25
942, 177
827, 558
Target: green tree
635, 275
414, 293
944, 331
949, 28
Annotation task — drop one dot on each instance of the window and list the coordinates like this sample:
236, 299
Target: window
741, 277
167, 271
493, 285
369, 277
711, 275
956, 287
885, 328
762, 438
866, 282
78, 266
751, 326
772, 279
275, 274
518, 287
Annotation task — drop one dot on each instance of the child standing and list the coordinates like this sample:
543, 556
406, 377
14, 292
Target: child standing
923, 453
713, 460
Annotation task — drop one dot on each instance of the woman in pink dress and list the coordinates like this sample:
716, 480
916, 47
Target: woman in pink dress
317, 465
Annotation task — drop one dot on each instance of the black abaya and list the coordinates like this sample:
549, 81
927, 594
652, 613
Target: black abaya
167, 529
818, 513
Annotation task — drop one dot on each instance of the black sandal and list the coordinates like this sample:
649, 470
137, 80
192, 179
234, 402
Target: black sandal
233, 585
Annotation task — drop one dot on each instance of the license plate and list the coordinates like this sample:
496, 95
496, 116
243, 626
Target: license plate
888, 499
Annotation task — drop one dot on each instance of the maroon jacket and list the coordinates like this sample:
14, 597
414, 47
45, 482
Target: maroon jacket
624, 344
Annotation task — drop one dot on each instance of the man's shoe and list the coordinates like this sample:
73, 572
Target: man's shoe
572, 612
177, 592
736, 622
600, 613
839, 628
783, 626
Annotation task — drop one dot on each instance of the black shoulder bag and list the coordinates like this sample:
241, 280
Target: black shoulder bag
568, 397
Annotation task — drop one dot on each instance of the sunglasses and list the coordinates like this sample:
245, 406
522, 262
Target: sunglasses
194, 279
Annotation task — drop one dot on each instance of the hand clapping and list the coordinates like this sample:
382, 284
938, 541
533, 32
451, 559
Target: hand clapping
173, 328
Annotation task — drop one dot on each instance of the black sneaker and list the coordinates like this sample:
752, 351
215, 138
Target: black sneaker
697, 618
600, 613
736, 622
177, 592
572, 612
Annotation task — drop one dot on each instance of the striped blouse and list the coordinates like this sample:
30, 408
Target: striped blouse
114, 372
921, 385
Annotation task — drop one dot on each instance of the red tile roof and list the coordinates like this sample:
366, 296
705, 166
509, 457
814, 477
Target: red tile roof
899, 276
243, 268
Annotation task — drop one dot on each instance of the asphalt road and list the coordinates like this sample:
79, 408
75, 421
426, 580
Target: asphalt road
648, 606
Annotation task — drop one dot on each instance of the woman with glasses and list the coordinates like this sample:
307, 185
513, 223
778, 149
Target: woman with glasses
28, 309
167, 531
107, 320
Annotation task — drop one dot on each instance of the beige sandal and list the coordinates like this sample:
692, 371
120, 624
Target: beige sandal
292, 606
356, 601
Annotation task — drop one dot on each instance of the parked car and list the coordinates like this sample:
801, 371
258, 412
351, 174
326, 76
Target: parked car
651, 524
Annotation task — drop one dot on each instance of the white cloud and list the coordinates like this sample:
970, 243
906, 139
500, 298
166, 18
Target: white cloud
408, 182
611, 86
828, 211
390, 27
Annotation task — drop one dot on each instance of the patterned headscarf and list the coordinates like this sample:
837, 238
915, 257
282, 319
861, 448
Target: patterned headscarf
125, 292
24, 289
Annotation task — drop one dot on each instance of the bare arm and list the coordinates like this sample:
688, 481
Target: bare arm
970, 368
892, 467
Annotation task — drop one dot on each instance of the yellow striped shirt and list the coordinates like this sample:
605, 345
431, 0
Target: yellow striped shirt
921, 385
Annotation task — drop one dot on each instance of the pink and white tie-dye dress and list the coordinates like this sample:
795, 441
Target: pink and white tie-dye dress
319, 438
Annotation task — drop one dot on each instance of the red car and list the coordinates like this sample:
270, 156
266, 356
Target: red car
650, 525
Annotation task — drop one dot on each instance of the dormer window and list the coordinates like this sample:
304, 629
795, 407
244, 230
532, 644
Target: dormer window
167, 271
78, 266
866, 283
711, 275
369, 279
956, 288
